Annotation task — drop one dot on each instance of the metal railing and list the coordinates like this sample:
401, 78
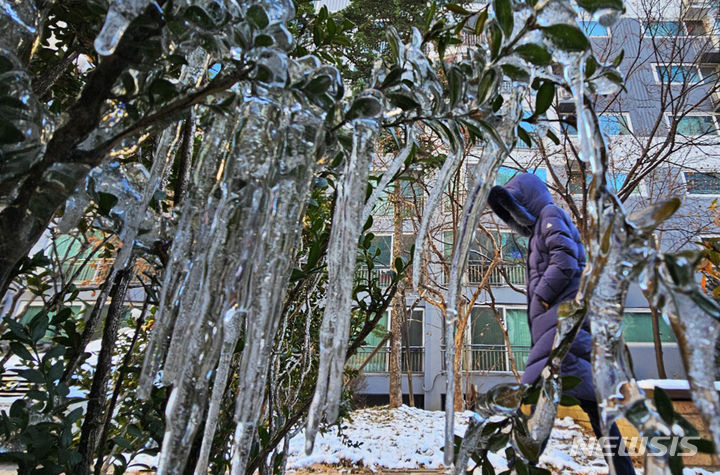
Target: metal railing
380, 362
97, 270
491, 358
92, 274
515, 274
382, 274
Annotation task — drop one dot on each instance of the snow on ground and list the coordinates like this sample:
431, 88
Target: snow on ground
411, 438
669, 384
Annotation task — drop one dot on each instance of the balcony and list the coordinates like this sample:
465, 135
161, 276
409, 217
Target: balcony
505, 274
491, 358
94, 273
380, 362
383, 275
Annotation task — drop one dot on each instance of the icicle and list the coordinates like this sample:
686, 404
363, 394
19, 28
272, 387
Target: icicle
119, 16
391, 171
672, 286
474, 204
452, 162
19, 21
342, 255
271, 267
231, 331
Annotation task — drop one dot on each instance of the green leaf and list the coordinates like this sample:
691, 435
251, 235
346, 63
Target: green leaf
594, 5
551, 135
534, 53
19, 350
515, 73
568, 400
494, 39
39, 327
403, 101
487, 81
318, 85
257, 16
106, 202
569, 382
664, 405
199, 16
567, 37
163, 89
480, 23
618, 59
9, 134
32, 375
544, 97
5, 64
13, 103
504, 15
455, 8
365, 106
524, 136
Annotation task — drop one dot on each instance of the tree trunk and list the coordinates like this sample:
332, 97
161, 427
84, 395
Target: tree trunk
398, 307
408, 367
662, 374
93, 424
459, 354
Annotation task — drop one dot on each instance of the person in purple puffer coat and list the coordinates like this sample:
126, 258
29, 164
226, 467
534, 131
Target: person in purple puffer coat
555, 262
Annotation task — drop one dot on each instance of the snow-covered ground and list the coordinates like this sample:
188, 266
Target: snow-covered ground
410, 438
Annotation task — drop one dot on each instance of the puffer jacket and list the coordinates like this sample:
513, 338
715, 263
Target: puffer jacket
556, 259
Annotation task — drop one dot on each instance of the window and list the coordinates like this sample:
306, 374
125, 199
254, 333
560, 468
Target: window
513, 251
695, 28
488, 348
677, 74
513, 247
377, 363
702, 183
696, 125
614, 124
381, 248
506, 173
637, 328
709, 74
593, 28
485, 327
615, 181
664, 28
415, 331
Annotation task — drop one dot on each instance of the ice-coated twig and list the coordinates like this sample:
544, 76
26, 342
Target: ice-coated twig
391, 171
119, 16
342, 256
452, 162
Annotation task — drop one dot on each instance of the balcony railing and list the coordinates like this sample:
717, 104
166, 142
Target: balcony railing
380, 362
382, 274
491, 358
515, 274
97, 270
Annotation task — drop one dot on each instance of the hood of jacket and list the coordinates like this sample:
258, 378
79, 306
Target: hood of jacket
520, 201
